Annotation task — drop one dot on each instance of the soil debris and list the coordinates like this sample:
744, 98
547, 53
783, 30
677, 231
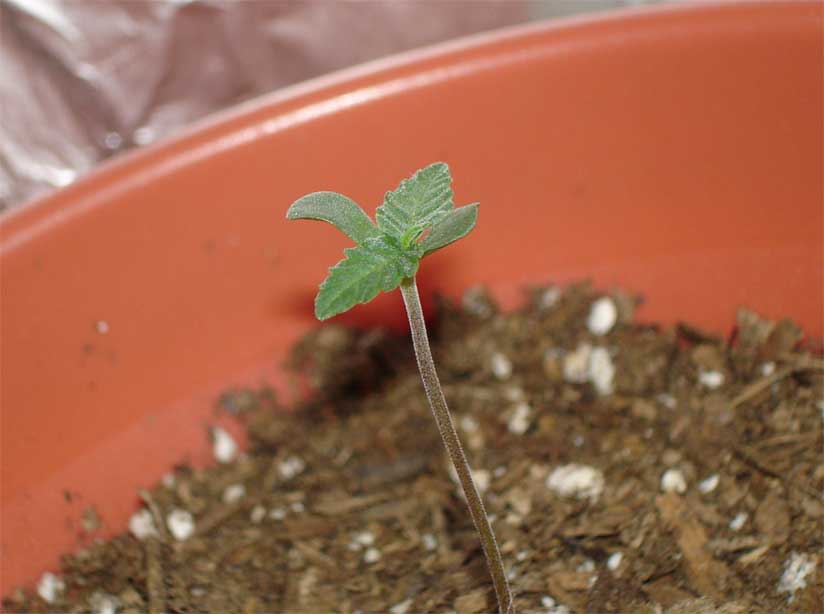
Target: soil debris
676, 473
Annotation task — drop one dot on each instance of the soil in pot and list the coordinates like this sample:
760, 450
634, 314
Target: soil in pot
627, 469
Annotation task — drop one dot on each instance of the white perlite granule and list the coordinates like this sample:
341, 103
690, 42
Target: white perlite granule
401, 608
673, 480
501, 365
364, 538
551, 607
50, 587
708, 484
372, 555
796, 569
257, 514
587, 566
291, 467
469, 424
233, 493
667, 400
602, 316
476, 302
181, 524
590, 364
142, 525
223, 445
601, 371
430, 542
737, 523
549, 298
711, 379
614, 560
576, 364
579, 481
277, 513
481, 478
103, 603
519, 422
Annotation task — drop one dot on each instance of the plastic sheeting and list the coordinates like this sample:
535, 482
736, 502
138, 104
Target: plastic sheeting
82, 80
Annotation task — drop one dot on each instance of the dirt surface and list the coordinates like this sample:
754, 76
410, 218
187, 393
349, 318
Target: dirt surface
627, 469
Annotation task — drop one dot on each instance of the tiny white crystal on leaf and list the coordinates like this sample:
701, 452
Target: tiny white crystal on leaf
602, 316
574, 480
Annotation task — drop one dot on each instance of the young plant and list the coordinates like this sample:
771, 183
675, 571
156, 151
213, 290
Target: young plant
386, 257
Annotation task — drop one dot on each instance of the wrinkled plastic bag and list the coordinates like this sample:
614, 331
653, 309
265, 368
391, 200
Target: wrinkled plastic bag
81, 80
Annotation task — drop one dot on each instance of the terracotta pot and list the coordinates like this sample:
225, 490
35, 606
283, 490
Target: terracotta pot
675, 152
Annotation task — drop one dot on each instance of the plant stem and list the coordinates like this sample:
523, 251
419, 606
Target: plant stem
449, 435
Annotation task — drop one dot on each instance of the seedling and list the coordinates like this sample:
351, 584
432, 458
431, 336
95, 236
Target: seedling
386, 257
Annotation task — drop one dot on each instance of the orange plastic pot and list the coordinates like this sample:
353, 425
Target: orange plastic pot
675, 152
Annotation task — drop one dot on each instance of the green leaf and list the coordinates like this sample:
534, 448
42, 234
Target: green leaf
338, 210
379, 263
453, 226
417, 204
